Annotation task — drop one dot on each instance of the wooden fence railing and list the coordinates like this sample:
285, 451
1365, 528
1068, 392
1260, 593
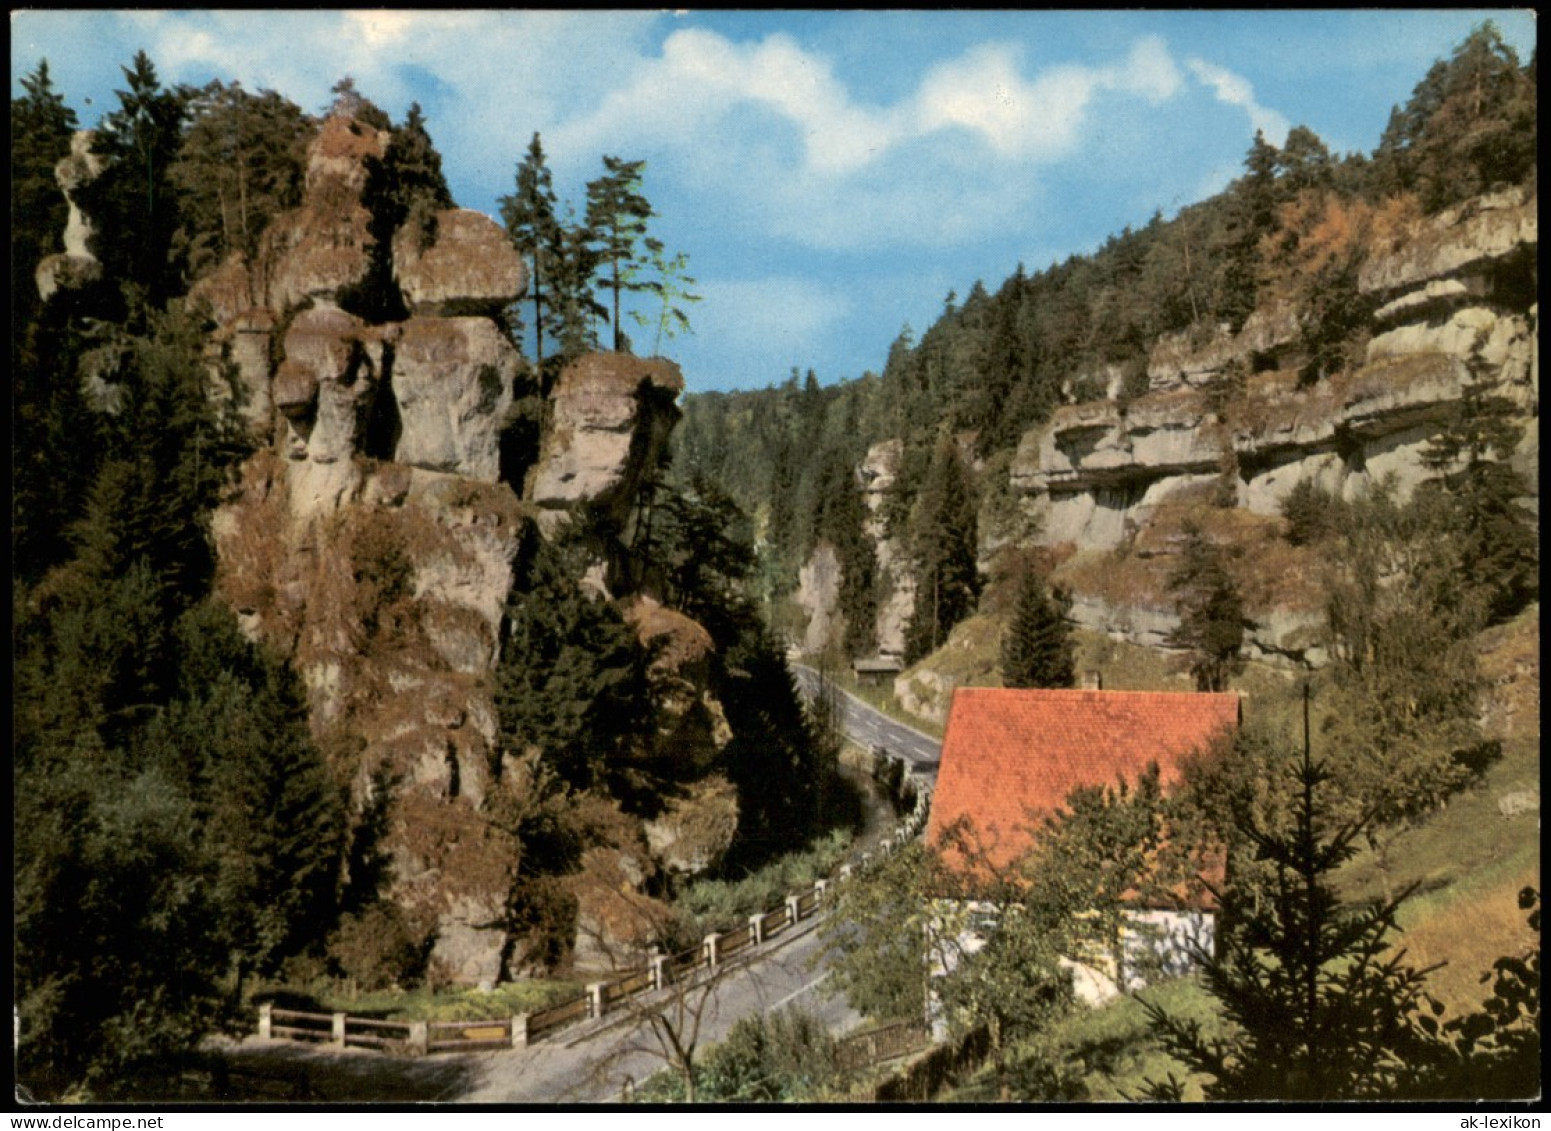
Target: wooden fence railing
299, 1026
420, 1037
377, 1034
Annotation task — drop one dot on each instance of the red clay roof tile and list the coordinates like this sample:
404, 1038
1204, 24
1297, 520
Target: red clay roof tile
1011, 756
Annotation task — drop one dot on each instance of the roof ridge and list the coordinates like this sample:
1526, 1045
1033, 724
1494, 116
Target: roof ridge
1092, 691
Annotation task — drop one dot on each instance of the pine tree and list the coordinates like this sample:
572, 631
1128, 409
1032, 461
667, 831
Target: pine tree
946, 541
1211, 612
133, 204
780, 767
1252, 208
1322, 1006
242, 162
405, 189
668, 279
573, 261
54, 440
616, 217
533, 228
571, 684
416, 189
840, 519
1037, 648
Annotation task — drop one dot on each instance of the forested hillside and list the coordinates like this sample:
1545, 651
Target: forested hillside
353, 648
1289, 238
1283, 443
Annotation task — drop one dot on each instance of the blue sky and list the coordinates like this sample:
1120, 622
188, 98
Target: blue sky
830, 175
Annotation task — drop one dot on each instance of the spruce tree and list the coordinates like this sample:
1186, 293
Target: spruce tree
1211, 612
840, 519
945, 538
1037, 648
533, 228
133, 204
1321, 1005
242, 162
41, 127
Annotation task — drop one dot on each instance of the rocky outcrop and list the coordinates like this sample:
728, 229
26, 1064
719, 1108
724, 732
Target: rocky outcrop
896, 589
1455, 307
818, 595
611, 414
373, 538
452, 389
470, 268
819, 579
692, 728
76, 266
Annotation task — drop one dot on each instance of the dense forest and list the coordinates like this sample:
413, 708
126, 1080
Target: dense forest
998, 361
186, 830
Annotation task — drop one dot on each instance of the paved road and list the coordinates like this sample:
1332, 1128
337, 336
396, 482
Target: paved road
871, 728
596, 1068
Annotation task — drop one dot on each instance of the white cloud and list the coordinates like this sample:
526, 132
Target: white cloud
1235, 90
703, 81
771, 127
383, 28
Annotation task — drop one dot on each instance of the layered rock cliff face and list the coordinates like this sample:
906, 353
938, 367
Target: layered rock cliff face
1455, 304
374, 534
896, 584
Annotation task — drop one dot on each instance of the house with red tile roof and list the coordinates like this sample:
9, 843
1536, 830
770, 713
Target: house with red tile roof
1010, 758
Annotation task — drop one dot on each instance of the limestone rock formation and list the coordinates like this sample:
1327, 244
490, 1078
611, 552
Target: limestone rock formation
612, 413
1455, 307
373, 539
818, 595
896, 600
76, 266
323, 249
471, 268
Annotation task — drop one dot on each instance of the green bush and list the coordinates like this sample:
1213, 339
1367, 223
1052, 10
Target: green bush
377, 948
1311, 511
719, 904
785, 1057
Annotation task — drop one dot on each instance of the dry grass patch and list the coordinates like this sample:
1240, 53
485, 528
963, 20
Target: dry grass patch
1470, 932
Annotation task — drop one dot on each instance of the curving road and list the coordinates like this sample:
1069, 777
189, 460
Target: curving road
872, 729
